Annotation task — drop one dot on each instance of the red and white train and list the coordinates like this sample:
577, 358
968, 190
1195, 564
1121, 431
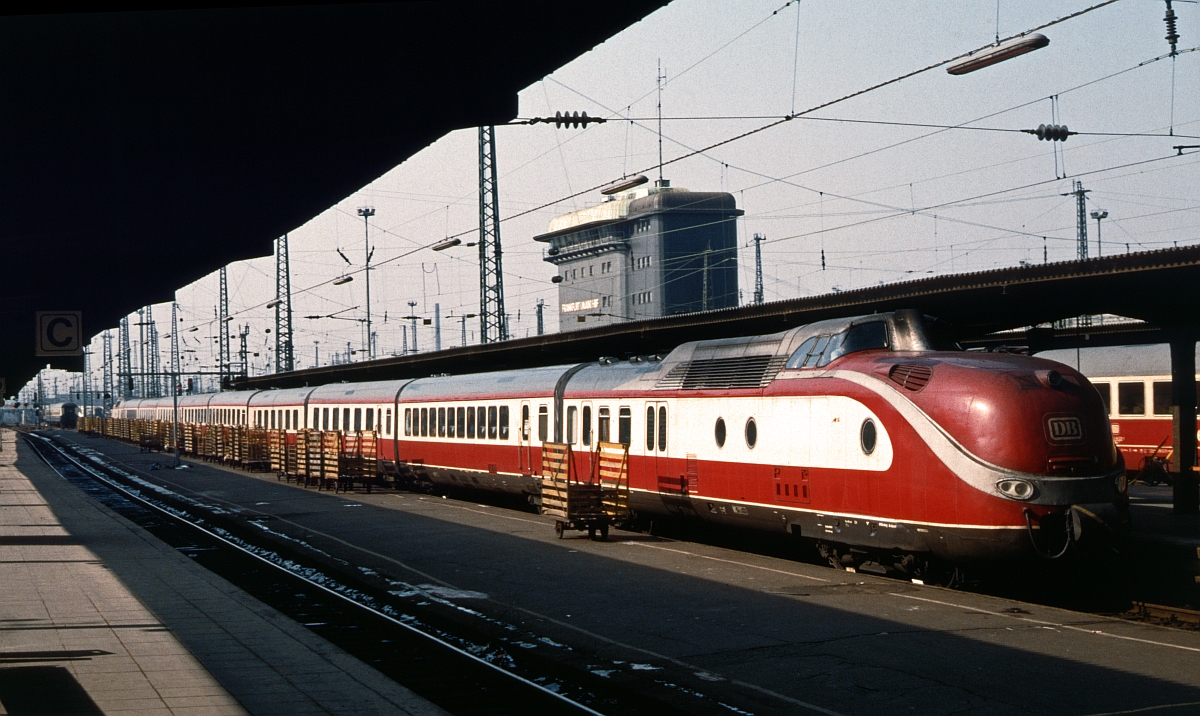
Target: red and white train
854, 432
1135, 384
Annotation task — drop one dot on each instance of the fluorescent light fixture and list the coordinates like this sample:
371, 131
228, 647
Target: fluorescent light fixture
1004, 51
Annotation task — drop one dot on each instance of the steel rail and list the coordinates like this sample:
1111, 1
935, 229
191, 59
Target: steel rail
97, 473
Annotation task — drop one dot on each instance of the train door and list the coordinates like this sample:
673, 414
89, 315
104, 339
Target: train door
657, 470
523, 435
586, 446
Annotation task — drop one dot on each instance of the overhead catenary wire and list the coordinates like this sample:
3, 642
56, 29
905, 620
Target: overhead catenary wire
559, 147
789, 118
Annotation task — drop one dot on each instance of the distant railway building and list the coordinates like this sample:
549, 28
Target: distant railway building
644, 253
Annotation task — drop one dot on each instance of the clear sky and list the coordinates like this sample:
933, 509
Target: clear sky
885, 203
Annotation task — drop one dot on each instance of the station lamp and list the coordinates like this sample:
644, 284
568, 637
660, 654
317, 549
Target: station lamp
999, 53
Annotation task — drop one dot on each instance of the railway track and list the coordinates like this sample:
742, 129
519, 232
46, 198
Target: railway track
461, 671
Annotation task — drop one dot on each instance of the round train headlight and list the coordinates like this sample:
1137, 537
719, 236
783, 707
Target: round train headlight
1016, 489
1122, 483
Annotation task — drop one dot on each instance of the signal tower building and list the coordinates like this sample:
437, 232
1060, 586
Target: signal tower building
644, 253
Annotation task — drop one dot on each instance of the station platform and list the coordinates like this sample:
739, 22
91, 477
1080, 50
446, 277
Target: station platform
97, 616
728, 631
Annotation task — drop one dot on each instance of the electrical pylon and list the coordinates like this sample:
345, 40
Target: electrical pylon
491, 274
284, 360
758, 281
224, 321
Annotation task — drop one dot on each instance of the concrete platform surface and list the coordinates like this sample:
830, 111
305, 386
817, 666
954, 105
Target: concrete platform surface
98, 616
757, 633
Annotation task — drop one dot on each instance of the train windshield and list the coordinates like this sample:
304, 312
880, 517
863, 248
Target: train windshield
820, 350
862, 337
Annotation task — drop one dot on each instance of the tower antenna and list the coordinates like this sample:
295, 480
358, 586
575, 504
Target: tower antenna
659, 81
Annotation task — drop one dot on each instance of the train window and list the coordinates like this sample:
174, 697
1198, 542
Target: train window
408, 421
800, 356
1162, 397
662, 428
868, 436
481, 422
751, 433
587, 425
543, 424
357, 419
336, 418
719, 432
1105, 391
625, 426
572, 414
462, 422
1131, 398
650, 428
370, 418
296, 419
602, 425
388, 427
863, 337
325, 419
471, 423
451, 426
832, 349
424, 422
493, 424
504, 422
316, 418
273, 418
441, 422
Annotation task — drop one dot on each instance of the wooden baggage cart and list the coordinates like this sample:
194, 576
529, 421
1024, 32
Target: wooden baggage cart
591, 502
257, 454
276, 450
331, 459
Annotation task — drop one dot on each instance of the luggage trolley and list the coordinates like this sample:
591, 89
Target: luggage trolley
593, 502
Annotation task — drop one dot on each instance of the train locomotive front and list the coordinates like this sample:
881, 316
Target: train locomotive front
872, 442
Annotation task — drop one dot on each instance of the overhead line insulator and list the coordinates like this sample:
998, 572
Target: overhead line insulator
1051, 132
572, 120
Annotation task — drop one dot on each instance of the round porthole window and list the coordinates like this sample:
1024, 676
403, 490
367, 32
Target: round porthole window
719, 432
751, 433
868, 436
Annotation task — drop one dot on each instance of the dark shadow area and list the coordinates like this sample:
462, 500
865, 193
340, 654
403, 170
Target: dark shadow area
36, 540
44, 691
852, 644
23, 657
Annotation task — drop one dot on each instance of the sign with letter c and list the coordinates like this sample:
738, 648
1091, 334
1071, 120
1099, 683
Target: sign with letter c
59, 333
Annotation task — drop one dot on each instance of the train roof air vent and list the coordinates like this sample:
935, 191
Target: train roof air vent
722, 373
911, 376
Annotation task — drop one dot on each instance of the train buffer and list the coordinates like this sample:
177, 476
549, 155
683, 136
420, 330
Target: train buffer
589, 501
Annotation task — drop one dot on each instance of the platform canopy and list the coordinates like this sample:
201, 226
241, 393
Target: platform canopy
144, 150
1159, 288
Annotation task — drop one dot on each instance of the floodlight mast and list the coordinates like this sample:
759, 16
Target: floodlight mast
366, 212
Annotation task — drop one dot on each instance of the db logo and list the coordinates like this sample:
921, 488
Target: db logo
1063, 429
